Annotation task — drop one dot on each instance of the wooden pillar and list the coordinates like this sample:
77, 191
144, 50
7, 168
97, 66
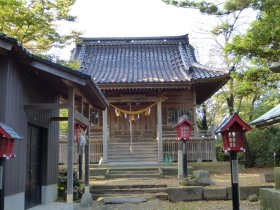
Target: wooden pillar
194, 111
105, 135
87, 155
159, 130
70, 145
80, 154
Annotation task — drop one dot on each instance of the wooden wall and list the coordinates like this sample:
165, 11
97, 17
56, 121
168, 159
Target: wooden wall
177, 99
23, 87
3, 85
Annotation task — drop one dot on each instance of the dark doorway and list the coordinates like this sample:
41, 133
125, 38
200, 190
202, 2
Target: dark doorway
33, 167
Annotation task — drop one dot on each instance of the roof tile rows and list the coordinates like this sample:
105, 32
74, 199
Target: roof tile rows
141, 60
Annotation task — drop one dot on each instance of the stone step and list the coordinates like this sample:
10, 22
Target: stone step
124, 176
121, 170
146, 191
130, 191
133, 173
128, 186
133, 160
160, 196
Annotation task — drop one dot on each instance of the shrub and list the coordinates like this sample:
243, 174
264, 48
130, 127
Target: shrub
263, 143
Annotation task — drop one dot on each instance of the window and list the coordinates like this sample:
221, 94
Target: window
233, 136
94, 118
174, 114
184, 131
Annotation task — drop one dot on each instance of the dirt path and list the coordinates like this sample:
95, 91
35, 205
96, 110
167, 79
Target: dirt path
165, 205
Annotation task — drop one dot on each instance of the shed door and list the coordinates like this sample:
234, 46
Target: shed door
33, 169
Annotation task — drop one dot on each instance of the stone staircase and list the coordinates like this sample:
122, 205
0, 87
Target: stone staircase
126, 191
133, 172
142, 152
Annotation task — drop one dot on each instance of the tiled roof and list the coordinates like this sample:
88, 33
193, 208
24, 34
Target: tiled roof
141, 60
269, 118
90, 87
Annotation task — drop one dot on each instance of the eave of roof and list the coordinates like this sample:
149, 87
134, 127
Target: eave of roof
138, 60
12, 45
269, 118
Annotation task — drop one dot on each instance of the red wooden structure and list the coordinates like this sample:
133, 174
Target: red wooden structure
232, 130
184, 128
7, 140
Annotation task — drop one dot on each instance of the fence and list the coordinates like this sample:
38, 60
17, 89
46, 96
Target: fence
95, 152
200, 148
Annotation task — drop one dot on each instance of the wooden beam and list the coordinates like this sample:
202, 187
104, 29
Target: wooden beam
70, 145
6, 45
57, 71
59, 119
132, 99
46, 106
79, 117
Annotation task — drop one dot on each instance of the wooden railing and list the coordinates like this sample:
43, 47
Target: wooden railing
200, 148
95, 152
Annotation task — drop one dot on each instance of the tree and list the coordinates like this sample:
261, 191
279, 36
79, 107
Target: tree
34, 23
262, 40
249, 54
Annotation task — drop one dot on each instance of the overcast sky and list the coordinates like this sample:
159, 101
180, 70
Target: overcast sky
136, 18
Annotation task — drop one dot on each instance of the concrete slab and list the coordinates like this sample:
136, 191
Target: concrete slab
191, 193
215, 193
57, 206
270, 199
245, 191
121, 200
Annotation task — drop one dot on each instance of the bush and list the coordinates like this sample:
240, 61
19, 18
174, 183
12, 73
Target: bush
62, 185
263, 143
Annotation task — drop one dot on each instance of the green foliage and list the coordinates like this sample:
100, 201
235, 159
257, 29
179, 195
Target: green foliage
62, 185
262, 40
263, 144
34, 23
211, 8
63, 125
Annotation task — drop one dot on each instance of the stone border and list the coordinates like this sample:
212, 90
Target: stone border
192, 193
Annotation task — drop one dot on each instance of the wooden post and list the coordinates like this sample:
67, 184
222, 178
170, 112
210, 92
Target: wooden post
87, 155
180, 160
159, 130
80, 154
105, 136
70, 153
185, 159
194, 111
2, 183
234, 180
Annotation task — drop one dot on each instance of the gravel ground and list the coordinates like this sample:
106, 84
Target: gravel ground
247, 177
165, 205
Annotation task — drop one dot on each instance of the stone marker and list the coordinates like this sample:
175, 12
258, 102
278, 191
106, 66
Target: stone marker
267, 177
253, 198
199, 178
86, 200
277, 177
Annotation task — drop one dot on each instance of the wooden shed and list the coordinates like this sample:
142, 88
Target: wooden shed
150, 82
32, 90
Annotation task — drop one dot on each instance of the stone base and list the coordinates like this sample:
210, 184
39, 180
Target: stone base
245, 191
215, 194
267, 177
185, 194
270, 199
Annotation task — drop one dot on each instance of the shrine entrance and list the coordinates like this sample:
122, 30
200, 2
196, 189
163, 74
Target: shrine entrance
143, 125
